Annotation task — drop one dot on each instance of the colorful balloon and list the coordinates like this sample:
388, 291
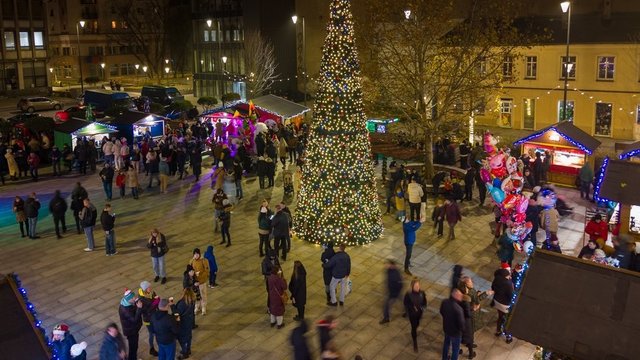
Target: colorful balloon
510, 201
490, 143
511, 164
496, 194
485, 176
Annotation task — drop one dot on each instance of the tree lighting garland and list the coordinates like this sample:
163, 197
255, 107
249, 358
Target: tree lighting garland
32, 310
338, 201
566, 137
603, 171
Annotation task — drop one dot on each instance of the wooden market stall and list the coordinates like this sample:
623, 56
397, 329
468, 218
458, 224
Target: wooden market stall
133, 125
68, 131
568, 146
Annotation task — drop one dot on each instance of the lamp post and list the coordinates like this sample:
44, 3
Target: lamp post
137, 66
144, 70
294, 18
566, 8
81, 25
224, 70
102, 66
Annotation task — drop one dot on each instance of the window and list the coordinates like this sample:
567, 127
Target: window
66, 51
237, 35
606, 67
506, 107
480, 107
9, 40
206, 36
24, 39
114, 24
570, 108
529, 113
532, 67
572, 67
482, 65
603, 119
214, 35
38, 40
56, 51
507, 67
113, 69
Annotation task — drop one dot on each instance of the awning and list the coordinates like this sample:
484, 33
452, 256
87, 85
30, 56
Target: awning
567, 131
628, 149
279, 106
131, 117
71, 125
618, 182
95, 128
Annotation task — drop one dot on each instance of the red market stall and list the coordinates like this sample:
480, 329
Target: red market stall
568, 146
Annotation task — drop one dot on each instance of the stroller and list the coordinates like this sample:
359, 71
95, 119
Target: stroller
287, 182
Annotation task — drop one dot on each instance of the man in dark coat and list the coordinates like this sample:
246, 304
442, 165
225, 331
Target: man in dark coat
453, 324
340, 265
280, 225
106, 175
327, 254
31, 208
130, 311
394, 288
166, 329
469, 179
78, 195
299, 342
58, 208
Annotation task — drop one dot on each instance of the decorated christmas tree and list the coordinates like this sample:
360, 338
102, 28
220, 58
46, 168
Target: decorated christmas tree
338, 200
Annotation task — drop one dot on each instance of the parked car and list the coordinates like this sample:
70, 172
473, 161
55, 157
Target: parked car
38, 103
162, 94
20, 118
62, 116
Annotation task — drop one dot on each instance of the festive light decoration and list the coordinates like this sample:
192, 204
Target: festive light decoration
629, 154
566, 137
603, 171
337, 199
32, 310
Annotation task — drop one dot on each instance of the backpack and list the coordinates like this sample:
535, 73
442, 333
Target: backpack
58, 206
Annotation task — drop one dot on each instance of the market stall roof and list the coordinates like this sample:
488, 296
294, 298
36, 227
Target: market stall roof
618, 181
628, 149
131, 117
95, 128
569, 132
279, 106
71, 125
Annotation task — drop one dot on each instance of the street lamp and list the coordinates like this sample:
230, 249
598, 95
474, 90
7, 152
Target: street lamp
294, 18
166, 61
566, 8
407, 14
224, 59
209, 22
102, 66
144, 69
81, 25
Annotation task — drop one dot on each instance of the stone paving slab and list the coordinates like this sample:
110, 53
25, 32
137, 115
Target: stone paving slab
83, 289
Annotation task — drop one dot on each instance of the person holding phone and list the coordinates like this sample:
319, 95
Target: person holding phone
108, 219
157, 245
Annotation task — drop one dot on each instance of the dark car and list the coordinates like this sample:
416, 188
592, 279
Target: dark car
20, 118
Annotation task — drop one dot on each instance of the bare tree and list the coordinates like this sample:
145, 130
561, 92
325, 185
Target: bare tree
142, 29
260, 64
434, 64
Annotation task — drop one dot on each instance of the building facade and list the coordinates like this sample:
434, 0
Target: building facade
24, 45
219, 28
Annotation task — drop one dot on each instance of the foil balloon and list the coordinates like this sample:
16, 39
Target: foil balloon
528, 247
507, 185
511, 164
517, 180
510, 201
485, 176
490, 143
497, 183
523, 204
496, 193
520, 217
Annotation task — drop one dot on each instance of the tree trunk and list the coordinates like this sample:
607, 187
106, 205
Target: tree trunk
428, 159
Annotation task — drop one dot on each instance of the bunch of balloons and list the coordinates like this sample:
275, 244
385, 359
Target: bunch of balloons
504, 182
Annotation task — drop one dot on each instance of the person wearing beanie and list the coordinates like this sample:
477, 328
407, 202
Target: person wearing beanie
189, 281
112, 347
213, 266
201, 267
78, 351
62, 341
130, 311
150, 301
165, 326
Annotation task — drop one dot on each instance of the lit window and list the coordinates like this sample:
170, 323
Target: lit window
532, 67
570, 110
529, 113
606, 67
506, 107
206, 36
507, 67
38, 40
24, 39
571, 65
9, 40
114, 24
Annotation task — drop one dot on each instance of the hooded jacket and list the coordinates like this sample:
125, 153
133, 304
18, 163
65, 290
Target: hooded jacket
213, 266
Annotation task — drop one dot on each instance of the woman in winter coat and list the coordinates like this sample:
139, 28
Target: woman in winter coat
282, 151
467, 334
415, 301
298, 289
502, 287
264, 227
21, 218
189, 281
13, 164
185, 308
132, 181
277, 287
327, 254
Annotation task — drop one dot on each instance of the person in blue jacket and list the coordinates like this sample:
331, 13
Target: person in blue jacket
62, 342
213, 266
409, 229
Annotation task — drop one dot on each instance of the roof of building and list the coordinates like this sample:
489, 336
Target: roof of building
569, 132
71, 125
130, 117
279, 106
619, 182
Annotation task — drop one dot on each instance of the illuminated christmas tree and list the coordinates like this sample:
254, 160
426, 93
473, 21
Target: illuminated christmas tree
338, 200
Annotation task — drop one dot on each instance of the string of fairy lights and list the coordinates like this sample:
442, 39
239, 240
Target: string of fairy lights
337, 200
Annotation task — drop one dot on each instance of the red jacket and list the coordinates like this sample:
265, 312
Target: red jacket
597, 230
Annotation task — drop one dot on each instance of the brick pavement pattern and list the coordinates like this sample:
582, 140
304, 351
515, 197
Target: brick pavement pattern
84, 289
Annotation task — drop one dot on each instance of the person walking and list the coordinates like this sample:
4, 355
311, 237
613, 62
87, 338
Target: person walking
225, 222
34, 162
409, 228
438, 218
185, 310
31, 210
586, 178
502, 286
415, 193
327, 254
394, 288
264, 227
112, 347
106, 175
12, 164
121, 183
299, 342
237, 177
78, 195
153, 164
340, 265
107, 220
196, 162
280, 225
277, 287
130, 312
21, 217
88, 217
55, 157
165, 327
201, 267
157, 245
213, 266
132, 181
415, 301
469, 179
451, 213
58, 208
107, 152
452, 324
298, 288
